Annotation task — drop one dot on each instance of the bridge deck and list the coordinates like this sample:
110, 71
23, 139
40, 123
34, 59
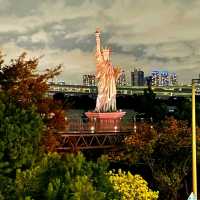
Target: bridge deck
183, 91
74, 140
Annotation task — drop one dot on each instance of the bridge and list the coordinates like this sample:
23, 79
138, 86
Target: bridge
82, 135
178, 91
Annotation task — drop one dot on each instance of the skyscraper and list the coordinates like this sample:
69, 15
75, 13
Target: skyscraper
155, 78
173, 79
122, 79
163, 78
137, 77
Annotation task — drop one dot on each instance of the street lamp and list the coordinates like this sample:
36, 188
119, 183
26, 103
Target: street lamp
194, 153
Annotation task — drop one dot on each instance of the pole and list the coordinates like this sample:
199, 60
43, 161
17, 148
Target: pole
194, 156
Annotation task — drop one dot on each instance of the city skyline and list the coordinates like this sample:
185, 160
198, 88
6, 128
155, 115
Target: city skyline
151, 35
124, 79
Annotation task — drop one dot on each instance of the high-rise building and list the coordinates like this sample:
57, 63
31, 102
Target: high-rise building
155, 78
122, 79
163, 78
137, 77
89, 80
173, 79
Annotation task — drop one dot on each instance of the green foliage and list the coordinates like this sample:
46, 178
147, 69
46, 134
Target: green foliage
131, 187
70, 177
20, 133
82, 188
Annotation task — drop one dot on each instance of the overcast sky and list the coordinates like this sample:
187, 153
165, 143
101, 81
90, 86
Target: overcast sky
146, 34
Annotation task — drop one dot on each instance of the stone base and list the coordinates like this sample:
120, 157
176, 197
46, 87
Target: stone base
109, 121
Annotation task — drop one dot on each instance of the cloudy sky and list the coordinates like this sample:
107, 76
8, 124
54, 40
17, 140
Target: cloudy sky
146, 34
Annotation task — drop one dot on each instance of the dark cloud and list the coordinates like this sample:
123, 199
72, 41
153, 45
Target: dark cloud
8, 37
31, 45
158, 33
158, 59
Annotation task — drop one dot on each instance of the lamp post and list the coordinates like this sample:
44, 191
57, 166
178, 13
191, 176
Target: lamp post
194, 153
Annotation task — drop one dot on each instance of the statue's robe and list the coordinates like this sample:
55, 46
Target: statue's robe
106, 76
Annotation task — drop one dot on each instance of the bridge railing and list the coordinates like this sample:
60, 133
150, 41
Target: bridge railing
80, 125
83, 124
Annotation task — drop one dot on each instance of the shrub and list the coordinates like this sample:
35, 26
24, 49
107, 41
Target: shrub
131, 186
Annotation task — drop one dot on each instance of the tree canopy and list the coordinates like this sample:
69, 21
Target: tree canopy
20, 133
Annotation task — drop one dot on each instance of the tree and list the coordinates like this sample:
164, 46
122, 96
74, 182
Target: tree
26, 113
21, 79
164, 151
20, 133
25, 86
148, 101
68, 177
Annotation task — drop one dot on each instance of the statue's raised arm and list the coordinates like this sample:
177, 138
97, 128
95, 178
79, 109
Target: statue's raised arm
98, 41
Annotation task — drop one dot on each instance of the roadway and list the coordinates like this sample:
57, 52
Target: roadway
182, 91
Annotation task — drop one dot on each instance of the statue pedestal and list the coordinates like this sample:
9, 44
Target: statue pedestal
109, 121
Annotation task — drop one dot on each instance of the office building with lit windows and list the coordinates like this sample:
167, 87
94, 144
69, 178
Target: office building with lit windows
163, 78
173, 79
155, 75
89, 80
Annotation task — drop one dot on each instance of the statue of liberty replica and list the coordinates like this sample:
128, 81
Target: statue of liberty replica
105, 115
106, 76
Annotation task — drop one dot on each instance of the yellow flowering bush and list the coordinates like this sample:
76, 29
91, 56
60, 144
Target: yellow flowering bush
131, 187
